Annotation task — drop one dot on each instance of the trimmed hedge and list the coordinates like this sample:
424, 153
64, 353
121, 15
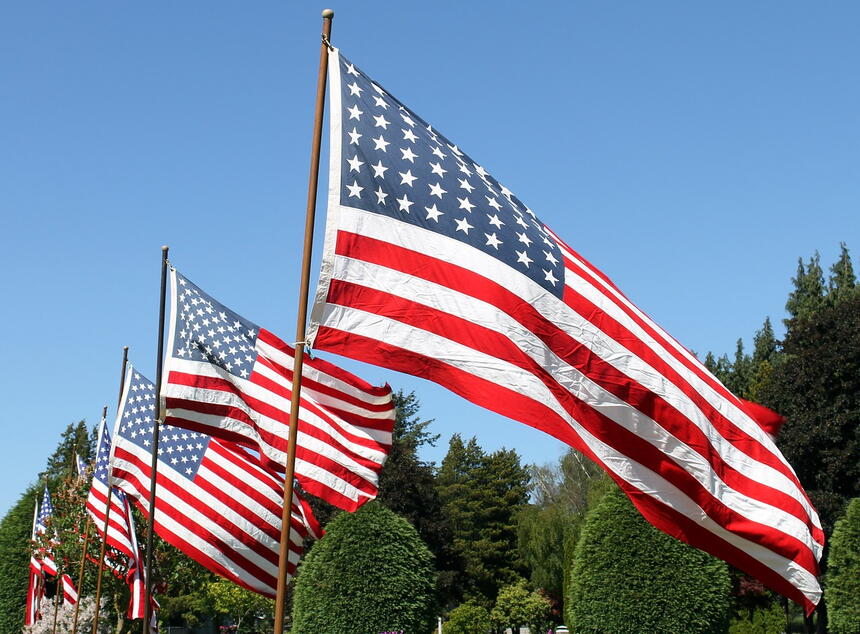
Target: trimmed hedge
370, 573
467, 618
842, 590
627, 576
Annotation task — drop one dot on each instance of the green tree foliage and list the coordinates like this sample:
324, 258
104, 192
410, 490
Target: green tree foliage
816, 385
516, 607
15, 530
809, 294
467, 618
548, 527
238, 604
629, 577
842, 591
370, 573
842, 283
482, 495
75, 438
407, 486
768, 619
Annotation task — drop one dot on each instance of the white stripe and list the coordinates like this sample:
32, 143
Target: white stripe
524, 382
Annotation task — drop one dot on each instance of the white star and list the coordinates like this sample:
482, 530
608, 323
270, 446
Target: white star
354, 136
550, 257
464, 184
408, 154
522, 257
493, 241
521, 222
492, 202
431, 133
454, 149
507, 193
407, 120
465, 169
550, 277
380, 196
436, 168
436, 190
524, 239
406, 178
351, 70
494, 220
409, 136
404, 203
354, 163
381, 143
377, 88
379, 170
354, 189
465, 204
355, 89
355, 113
433, 213
380, 103
464, 226
381, 122
438, 152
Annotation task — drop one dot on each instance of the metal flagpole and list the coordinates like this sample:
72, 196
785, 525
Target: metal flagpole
80, 585
159, 363
283, 560
107, 507
57, 591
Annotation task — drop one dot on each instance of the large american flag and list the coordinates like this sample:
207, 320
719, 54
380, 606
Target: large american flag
227, 377
434, 268
213, 502
121, 533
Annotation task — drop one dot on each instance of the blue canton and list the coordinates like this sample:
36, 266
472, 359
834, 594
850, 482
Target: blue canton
208, 331
395, 164
181, 449
45, 512
103, 457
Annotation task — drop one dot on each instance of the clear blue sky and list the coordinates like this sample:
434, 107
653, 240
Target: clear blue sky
691, 150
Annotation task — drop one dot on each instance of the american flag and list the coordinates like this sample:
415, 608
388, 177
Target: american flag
121, 533
35, 584
213, 502
70, 593
81, 465
434, 268
227, 377
42, 521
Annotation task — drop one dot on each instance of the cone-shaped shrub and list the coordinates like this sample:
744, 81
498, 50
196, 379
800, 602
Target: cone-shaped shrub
629, 577
371, 573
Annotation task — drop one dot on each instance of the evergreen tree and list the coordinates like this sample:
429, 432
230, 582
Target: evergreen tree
482, 495
15, 530
75, 439
816, 386
765, 352
808, 295
842, 282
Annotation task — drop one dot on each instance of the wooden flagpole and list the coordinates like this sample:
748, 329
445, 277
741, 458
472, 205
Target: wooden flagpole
159, 363
107, 505
84, 552
57, 590
286, 513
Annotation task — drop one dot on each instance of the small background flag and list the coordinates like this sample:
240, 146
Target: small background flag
213, 502
46, 511
434, 268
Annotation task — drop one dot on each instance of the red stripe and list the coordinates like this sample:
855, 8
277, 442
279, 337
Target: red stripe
501, 400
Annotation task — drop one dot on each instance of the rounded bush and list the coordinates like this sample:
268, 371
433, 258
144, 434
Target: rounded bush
371, 573
467, 618
627, 576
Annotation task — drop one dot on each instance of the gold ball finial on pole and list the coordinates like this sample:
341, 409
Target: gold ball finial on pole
327, 13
